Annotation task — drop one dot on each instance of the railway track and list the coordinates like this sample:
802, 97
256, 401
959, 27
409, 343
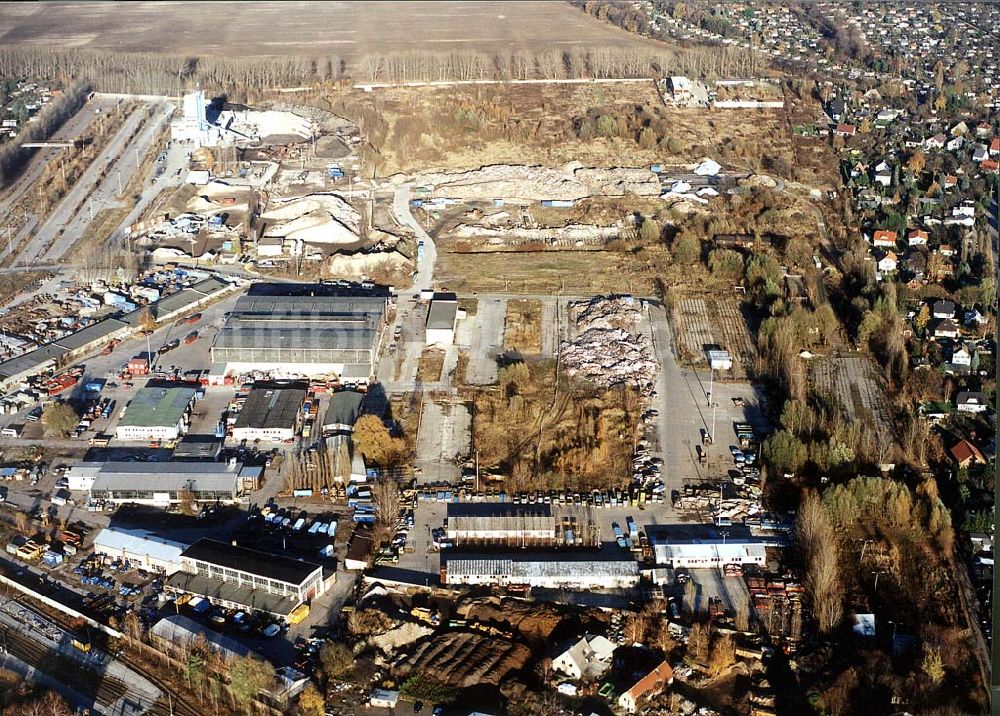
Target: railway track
171, 704
105, 690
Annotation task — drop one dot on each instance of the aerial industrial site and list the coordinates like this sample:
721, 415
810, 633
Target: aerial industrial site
498, 359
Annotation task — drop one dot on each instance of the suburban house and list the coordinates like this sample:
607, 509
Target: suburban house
589, 658
980, 153
943, 309
649, 685
946, 328
950, 182
961, 357
837, 110
972, 402
845, 130
888, 262
884, 239
990, 166
917, 238
936, 142
995, 147
965, 453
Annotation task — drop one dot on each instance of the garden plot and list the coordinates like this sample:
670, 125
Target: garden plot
853, 378
696, 330
719, 321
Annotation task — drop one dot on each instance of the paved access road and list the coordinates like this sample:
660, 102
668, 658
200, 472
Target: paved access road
121, 157
425, 268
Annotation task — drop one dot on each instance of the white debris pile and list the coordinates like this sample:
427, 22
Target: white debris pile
570, 182
609, 348
315, 219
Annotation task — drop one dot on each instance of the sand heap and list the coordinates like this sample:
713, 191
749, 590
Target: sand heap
315, 219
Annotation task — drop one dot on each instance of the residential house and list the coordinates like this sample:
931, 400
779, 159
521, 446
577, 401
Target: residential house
995, 147
588, 659
971, 402
955, 143
980, 153
888, 262
946, 328
845, 130
961, 357
883, 176
946, 250
965, 453
936, 142
883, 239
649, 685
983, 130
837, 110
943, 309
960, 130
916, 264
974, 318
917, 237
950, 182
990, 166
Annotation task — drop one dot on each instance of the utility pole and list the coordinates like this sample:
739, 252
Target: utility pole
119, 182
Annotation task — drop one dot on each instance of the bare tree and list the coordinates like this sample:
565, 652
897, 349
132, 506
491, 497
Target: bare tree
385, 494
818, 541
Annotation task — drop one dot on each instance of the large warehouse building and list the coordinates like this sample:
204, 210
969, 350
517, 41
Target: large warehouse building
237, 577
548, 570
305, 334
165, 483
156, 413
500, 523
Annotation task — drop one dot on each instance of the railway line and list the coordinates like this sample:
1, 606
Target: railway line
106, 690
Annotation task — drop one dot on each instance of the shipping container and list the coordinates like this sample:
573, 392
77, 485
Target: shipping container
302, 493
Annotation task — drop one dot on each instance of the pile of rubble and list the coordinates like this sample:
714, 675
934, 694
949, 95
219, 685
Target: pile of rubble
570, 182
609, 349
571, 233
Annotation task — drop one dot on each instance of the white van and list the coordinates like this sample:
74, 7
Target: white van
9, 432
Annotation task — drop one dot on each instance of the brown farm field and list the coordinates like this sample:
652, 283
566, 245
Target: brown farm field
345, 29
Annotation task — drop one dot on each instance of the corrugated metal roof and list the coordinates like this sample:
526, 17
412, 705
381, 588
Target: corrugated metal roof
166, 476
271, 407
556, 564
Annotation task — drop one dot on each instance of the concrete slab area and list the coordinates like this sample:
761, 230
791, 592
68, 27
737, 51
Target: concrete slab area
443, 440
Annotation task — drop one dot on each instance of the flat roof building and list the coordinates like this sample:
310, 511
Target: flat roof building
305, 334
157, 412
441, 317
242, 578
271, 413
500, 523
550, 570
706, 547
164, 483
143, 549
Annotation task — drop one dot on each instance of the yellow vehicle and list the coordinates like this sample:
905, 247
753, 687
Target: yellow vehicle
30, 550
298, 614
82, 643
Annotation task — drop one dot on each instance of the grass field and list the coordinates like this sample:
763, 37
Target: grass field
571, 272
304, 29
522, 331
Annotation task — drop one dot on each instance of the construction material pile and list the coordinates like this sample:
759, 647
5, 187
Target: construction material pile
609, 349
570, 182
315, 219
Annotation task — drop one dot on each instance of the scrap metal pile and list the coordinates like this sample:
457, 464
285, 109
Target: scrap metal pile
609, 349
